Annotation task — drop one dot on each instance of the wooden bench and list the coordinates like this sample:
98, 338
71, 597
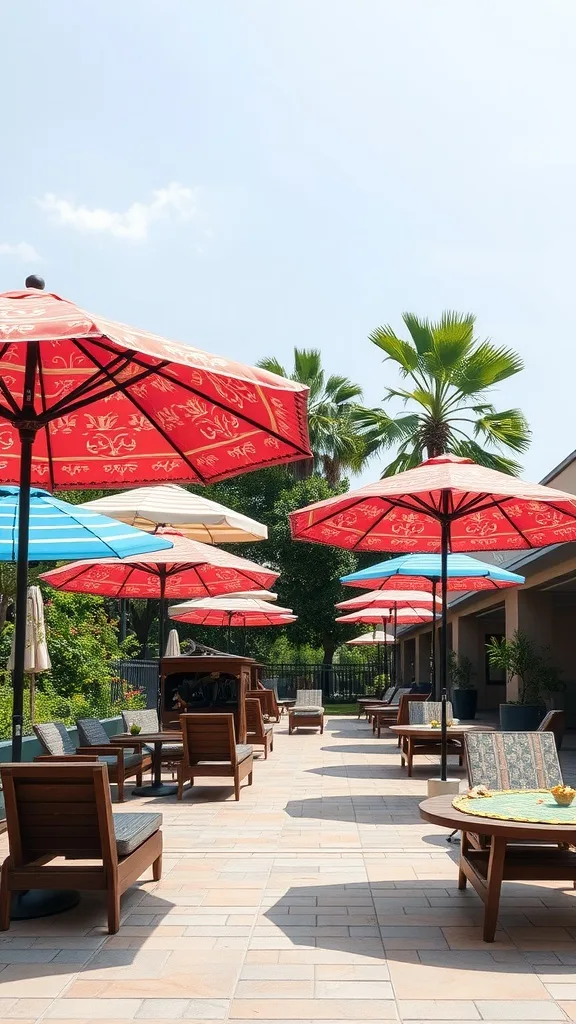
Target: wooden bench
63, 811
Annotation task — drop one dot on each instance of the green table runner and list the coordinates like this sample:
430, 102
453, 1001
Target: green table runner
534, 805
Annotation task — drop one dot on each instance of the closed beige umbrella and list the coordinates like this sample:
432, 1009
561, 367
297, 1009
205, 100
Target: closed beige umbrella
36, 657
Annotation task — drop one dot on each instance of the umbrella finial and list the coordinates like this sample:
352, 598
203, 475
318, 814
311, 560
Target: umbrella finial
35, 281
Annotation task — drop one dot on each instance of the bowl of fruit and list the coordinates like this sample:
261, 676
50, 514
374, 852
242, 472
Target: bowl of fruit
563, 795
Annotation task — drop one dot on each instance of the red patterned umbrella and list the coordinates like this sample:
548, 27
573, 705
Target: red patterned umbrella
86, 402
188, 569
406, 616
232, 611
446, 504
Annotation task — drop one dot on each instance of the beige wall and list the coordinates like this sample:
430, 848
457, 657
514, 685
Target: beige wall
565, 480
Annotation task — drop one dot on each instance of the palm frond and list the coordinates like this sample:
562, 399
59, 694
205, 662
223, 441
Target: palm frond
308, 366
420, 332
341, 389
486, 366
508, 428
272, 365
400, 351
468, 449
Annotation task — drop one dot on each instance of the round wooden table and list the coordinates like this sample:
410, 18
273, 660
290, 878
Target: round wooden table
156, 740
428, 739
487, 868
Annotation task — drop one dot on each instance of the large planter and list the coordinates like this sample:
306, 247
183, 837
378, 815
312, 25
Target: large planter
521, 717
464, 704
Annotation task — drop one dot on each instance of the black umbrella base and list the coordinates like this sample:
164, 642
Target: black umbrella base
26, 906
156, 789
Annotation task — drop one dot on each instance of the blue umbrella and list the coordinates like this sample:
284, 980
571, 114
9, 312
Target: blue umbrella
60, 531
429, 567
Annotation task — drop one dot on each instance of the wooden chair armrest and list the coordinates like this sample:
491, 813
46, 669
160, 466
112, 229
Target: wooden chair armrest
66, 757
127, 741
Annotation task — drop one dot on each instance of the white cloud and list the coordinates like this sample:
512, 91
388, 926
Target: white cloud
133, 223
22, 251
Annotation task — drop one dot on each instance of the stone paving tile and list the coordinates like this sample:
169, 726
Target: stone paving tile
319, 896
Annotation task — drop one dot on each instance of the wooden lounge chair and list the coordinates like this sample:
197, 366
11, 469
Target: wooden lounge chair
554, 722
267, 700
171, 753
308, 711
123, 758
383, 698
63, 810
210, 750
422, 713
259, 733
396, 713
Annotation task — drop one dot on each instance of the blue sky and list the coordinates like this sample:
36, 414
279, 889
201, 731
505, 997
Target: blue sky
248, 175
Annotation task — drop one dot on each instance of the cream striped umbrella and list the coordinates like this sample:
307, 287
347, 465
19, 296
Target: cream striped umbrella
193, 515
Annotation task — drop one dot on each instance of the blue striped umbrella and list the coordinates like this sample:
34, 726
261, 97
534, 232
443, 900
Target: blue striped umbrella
464, 572
60, 531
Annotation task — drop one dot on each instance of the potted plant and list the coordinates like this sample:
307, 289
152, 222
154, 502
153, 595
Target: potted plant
464, 693
521, 657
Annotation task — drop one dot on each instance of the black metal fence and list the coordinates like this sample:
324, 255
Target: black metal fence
135, 675
339, 683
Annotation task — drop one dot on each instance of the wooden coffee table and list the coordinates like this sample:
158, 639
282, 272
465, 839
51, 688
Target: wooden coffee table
486, 869
429, 740
156, 740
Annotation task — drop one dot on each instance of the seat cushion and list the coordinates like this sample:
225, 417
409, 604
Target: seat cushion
131, 830
168, 749
131, 759
312, 709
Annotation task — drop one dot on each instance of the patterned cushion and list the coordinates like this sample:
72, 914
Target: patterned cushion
308, 698
91, 732
55, 738
421, 712
513, 760
311, 709
388, 694
131, 830
147, 720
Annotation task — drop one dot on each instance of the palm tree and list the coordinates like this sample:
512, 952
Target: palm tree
449, 374
338, 437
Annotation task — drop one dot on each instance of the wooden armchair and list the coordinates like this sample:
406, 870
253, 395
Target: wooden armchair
259, 733
267, 700
63, 810
124, 758
210, 750
57, 744
384, 698
307, 712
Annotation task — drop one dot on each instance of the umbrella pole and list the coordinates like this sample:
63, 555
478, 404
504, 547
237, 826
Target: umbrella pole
161, 638
387, 680
229, 630
27, 441
433, 681
444, 646
396, 645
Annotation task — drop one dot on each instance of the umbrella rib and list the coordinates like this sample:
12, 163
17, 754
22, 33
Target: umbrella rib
514, 527
46, 431
69, 403
9, 398
131, 398
159, 371
375, 524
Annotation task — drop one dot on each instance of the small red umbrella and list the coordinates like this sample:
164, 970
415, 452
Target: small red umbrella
232, 611
86, 402
188, 569
406, 616
446, 504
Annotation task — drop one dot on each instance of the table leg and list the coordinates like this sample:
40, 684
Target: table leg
158, 788
464, 847
494, 885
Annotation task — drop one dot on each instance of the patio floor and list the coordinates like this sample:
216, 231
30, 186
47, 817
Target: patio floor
321, 895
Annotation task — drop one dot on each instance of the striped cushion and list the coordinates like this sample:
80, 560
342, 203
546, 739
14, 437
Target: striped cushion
131, 830
55, 738
312, 709
146, 719
91, 732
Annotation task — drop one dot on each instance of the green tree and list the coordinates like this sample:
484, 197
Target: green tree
338, 437
449, 374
